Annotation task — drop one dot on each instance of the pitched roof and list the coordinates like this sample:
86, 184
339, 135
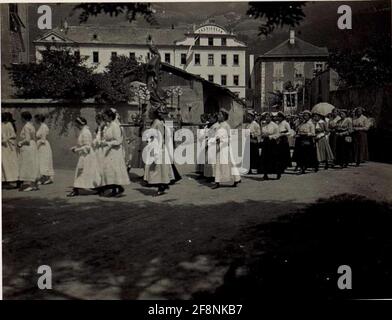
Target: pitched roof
118, 34
300, 48
169, 68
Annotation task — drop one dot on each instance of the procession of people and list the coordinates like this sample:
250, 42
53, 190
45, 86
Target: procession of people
277, 142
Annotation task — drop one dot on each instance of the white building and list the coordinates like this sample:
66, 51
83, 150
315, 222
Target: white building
209, 51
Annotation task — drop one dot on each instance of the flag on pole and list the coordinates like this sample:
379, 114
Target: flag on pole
189, 54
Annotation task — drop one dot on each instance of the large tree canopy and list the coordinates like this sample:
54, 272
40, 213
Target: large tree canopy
277, 14
62, 75
114, 84
59, 75
371, 66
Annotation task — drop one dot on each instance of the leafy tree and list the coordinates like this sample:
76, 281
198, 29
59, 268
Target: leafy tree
277, 14
131, 10
369, 66
114, 84
59, 75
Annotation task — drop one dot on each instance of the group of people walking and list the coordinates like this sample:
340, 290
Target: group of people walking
335, 140
26, 161
276, 143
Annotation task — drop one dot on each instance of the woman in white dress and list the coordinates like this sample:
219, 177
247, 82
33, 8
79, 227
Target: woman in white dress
9, 157
115, 174
157, 172
28, 157
98, 148
87, 173
224, 168
45, 157
209, 167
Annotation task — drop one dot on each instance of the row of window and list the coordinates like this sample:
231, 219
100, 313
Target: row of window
223, 79
211, 41
298, 69
210, 62
197, 58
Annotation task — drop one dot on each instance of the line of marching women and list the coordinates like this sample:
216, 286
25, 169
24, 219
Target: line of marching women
101, 164
219, 167
336, 140
26, 160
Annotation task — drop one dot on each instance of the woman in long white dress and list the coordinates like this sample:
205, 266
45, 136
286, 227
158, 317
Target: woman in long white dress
87, 173
45, 157
9, 157
98, 148
157, 171
115, 174
28, 156
209, 167
225, 171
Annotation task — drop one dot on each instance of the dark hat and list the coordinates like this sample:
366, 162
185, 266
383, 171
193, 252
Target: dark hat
281, 114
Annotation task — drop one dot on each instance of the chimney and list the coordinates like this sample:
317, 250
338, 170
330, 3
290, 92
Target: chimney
292, 37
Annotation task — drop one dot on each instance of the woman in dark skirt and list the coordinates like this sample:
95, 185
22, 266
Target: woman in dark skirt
269, 135
283, 147
255, 133
344, 142
306, 153
360, 139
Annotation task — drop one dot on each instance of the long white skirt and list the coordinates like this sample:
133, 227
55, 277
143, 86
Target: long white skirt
114, 167
87, 173
161, 173
45, 160
28, 162
9, 163
225, 171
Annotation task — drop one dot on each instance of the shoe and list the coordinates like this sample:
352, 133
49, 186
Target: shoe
159, 193
112, 194
215, 186
27, 189
236, 183
49, 181
120, 190
73, 194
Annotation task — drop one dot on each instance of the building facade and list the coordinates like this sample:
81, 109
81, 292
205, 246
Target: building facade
282, 74
208, 51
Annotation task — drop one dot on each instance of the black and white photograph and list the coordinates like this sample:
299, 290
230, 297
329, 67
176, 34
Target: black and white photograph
196, 151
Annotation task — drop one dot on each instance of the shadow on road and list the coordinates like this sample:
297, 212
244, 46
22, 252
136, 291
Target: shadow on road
146, 250
298, 255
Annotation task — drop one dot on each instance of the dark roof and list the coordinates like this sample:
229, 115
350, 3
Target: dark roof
300, 48
118, 34
169, 68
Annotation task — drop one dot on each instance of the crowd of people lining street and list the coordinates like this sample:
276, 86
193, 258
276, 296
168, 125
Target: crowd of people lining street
305, 142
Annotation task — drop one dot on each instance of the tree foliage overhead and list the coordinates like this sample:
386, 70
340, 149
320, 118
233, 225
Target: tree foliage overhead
276, 14
59, 75
131, 10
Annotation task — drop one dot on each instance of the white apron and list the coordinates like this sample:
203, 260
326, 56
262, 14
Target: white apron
45, 157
